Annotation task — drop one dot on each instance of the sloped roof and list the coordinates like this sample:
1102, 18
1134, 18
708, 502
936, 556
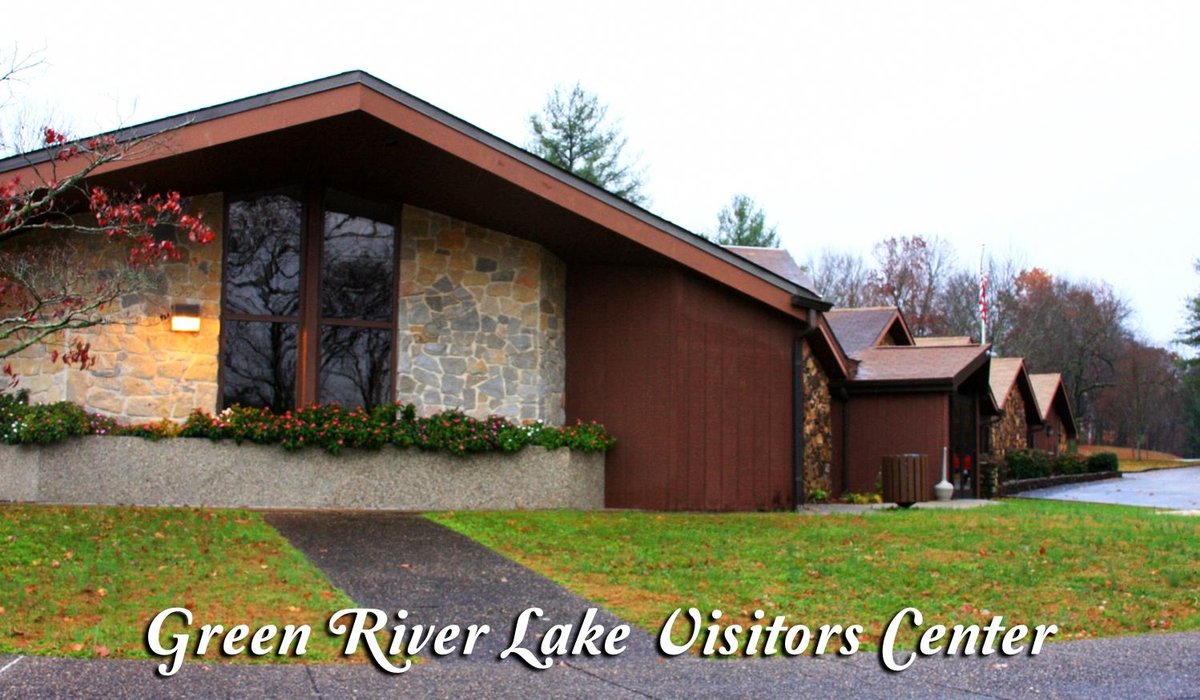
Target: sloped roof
776, 260
939, 341
911, 365
1003, 374
859, 329
1050, 392
463, 163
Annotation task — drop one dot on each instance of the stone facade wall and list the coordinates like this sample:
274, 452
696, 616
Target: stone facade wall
818, 425
1011, 431
480, 321
143, 371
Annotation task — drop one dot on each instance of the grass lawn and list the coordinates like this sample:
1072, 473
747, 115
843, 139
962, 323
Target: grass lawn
85, 581
1141, 465
1093, 570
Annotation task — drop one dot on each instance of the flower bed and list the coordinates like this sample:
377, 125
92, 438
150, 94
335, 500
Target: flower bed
331, 427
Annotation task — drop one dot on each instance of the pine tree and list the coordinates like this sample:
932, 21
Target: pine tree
572, 133
743, 223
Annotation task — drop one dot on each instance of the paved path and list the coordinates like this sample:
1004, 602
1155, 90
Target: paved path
398, 560
1150, 667
1162, 488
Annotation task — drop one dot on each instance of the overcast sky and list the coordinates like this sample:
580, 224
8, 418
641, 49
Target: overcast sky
1067, 134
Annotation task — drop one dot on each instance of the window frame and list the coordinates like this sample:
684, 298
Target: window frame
309, 321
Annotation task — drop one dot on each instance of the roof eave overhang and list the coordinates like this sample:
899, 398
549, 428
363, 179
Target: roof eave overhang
359, 91
873, 386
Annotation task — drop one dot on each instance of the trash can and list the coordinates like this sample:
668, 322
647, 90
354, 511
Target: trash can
905, 479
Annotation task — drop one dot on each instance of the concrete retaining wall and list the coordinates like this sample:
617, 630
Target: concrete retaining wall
1009, 488
198, 472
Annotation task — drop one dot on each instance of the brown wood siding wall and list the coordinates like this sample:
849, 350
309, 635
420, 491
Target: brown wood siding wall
1042, 440
695, 382
888, 424
838, 466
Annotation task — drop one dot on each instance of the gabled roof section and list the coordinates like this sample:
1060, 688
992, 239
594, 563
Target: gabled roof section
868, 327
1052, 396
1008, 374
941, 341
1003, 375
916, 367
356, 92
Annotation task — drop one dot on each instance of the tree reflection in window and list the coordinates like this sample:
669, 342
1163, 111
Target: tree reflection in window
356, 365
357, 278
259, 364
262, 256
268, 290
262, 281
358, 261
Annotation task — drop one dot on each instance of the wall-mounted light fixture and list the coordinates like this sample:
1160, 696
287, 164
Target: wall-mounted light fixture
185, 318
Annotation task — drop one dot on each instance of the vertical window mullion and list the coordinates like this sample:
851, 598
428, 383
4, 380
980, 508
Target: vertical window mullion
310, 304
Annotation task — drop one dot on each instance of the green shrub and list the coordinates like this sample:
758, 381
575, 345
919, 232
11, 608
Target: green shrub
150, 431
42, 424
862, 498
1103, 462
335, 428
818, 495
1027, 464
1068, 464
330, 427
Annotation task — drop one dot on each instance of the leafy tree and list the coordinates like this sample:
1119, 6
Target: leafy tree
1144, 404
842, 279
742, 223
1076, 328
572, 133
1190, 385
911, 271
46, 285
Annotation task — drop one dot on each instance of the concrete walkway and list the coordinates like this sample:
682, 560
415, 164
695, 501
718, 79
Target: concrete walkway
1178, 489
390, 560
1150, 667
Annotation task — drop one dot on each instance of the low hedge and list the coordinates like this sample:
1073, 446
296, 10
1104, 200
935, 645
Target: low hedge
330, 427
1036, 464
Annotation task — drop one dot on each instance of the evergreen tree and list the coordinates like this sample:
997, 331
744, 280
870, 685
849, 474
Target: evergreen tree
743, 223
1190, 388
572, 133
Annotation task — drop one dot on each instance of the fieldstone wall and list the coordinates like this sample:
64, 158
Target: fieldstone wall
1010, 432
818, 425
143, 371
480, 321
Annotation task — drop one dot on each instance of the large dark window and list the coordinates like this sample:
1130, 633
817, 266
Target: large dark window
308, 303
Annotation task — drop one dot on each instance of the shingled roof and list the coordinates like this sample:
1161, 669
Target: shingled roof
776, 260
860, 329
1004, 373
1047, 388
907, 365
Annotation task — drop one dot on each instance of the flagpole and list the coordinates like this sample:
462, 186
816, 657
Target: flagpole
983, 285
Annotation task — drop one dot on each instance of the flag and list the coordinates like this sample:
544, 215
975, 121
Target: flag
983, 307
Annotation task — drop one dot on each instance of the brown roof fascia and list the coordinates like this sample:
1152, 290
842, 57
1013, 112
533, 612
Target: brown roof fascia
1067, 413
357, 90
831, 350
887, 330
984, 357
1033, 412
